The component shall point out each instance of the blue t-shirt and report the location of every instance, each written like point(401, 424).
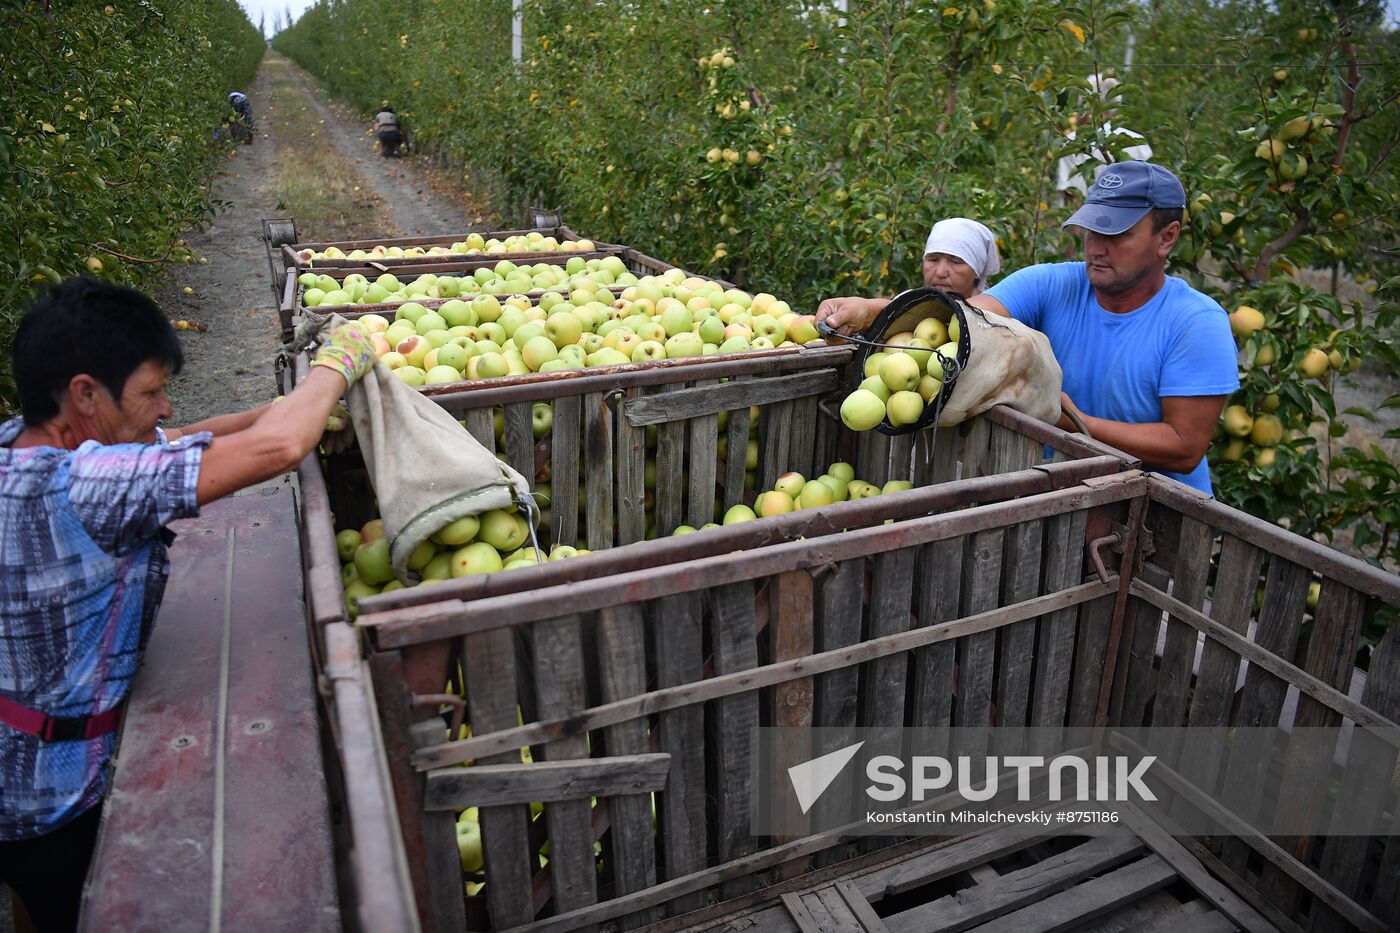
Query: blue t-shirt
point(1121, 366)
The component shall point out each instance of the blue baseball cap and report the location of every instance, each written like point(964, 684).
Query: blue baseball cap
point(1123, 195)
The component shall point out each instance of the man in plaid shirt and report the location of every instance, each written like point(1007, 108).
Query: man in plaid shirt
point(88, 481)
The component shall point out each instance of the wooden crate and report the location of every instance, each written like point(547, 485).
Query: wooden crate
point(289, 260)
point(599, 436)
point(684, 645)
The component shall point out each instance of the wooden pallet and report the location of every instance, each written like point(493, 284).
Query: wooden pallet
point(1005, 880)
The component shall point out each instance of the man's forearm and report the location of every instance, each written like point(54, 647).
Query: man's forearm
point(222, 425)
point(1157, 444)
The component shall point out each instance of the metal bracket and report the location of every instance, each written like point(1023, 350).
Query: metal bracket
point(459, 708)
point(1114, 541)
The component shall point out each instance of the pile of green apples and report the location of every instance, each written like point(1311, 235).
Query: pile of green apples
point(657, 319)
point(505, 278)
point(474, 245)
point(478, 544)
point(900, 382)
point(793, 492)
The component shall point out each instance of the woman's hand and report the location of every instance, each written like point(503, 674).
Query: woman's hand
point(848, 315)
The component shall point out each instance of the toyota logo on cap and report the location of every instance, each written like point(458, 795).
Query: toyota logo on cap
point(1111, 181)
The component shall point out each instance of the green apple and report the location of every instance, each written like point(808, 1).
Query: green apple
point(860, 489)
point(900, 372)
point(815, 494)
point(346, 542)
point(904, 408)
point(541, 419)
point(712, 330)
point(739, 513)
point(410, 311)
point(862, 410)
point(372, 561)
point(842, 471)
point(836, 485)
point(563, 328)
point(773, 502)
point(423, 552)
point(606, 356)
point(735, 344)
point(442, 375)
point(492, 365)
point(876, 385)
point(684, 345)
point(454, 355)
point(648, 351)
point(538, 351)
point(475, 559)
point(896, 485)
point(459, 532)
point(790, 483)
point(356, 590)
point(683, 530)
point(411, 375)
point(505, 531)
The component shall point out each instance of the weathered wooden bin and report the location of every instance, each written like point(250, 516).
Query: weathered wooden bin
point(288, 251)
point(414, 637)
point(290, 308)
point(713, 634)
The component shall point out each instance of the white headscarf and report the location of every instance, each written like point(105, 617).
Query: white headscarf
point(968, 240)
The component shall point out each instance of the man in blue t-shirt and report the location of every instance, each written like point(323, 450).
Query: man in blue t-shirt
point(1148, 361)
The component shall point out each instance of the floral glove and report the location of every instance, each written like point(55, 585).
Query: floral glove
point(348, 351)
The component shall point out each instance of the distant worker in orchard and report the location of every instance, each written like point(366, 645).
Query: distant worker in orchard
point(88, 482)
point(1069, 174)
point(1148, 361)
point(241, 121)
point(388, 131)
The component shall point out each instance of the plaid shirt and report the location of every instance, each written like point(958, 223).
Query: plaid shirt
point(82, 570)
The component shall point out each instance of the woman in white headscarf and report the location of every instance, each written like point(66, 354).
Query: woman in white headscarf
point(960, 255)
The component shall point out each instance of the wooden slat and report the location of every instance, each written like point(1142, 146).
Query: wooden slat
point(1344, 858)
point(482, 426)
point(1216, 674)
point(801, 448)
point(520, 439)
point(791, 630)
point(598, 474)
point(1331, 658)
point(775, 438)
point(956, 857)
point(565, 440)
point(1084, 902)
point(1261, 701)
point(560, 691)
point(1141, 672)
point(899, 457)
point(714, 688)
point(393, 699)
point(981, 591)
point(679, 660)
point(622, 672)
point(1189, 579)
point(569, 779)
point(1054, 654)
point(840, 597)
point(799, 913)
point(975, 448)
point(734, 646)
point(737, 452)
point(938, 593)
point(891, 598)
point(670, 475)
point(704, 439)
point(1176, 855)
point(1327, 561)
point(994, 898)
point(489, 662)
point(837, 915)
point(711, 399)
point(860, 908)
point(631, 481)
point(440, 835)
point(1016, 643)
point(829, 431)
point(876, 450)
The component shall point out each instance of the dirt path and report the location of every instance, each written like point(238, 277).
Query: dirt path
point(230, 367)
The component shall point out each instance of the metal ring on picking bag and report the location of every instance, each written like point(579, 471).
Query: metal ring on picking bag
point(903, 312)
